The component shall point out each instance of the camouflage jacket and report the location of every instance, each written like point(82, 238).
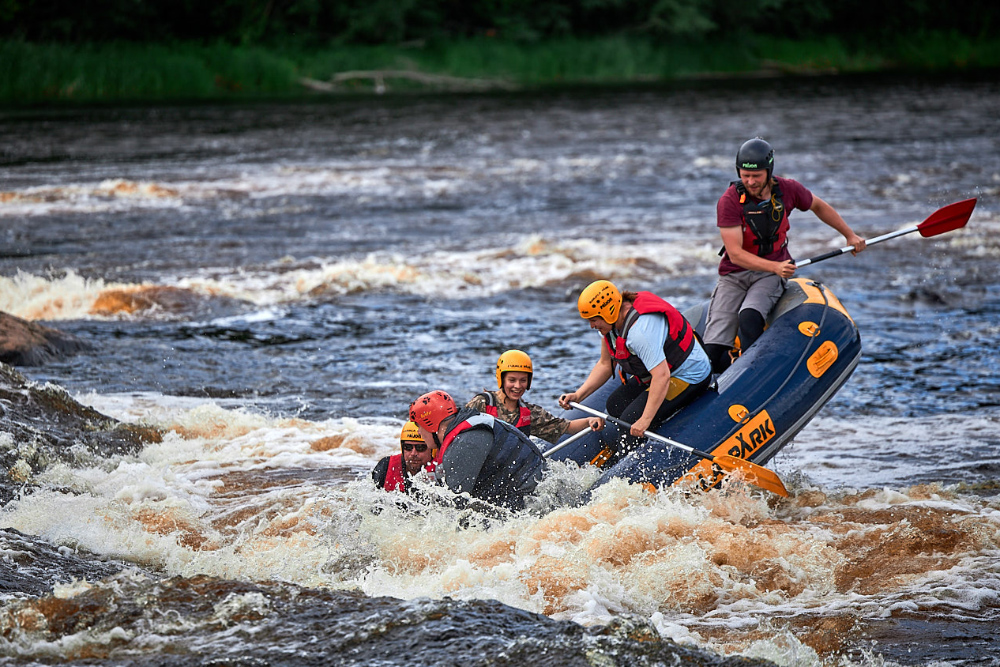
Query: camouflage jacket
point(544, 425)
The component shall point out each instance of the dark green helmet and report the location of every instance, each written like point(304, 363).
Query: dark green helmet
point(755, 154)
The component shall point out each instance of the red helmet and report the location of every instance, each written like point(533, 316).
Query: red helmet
point(431, 409)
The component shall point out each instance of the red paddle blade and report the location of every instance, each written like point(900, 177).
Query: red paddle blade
point(947, 218)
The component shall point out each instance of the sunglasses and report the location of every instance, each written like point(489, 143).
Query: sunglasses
point(419, 446)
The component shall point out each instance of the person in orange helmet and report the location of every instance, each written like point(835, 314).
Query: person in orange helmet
point(477, 453)
point(662, 365)
point(395, 473)
point(514, 373)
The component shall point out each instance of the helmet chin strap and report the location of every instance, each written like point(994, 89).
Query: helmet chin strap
point(447, 421)
point(507, 397)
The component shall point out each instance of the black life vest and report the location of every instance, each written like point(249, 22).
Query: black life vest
point(524, 413)
point(763, 220)
point(676, 348)
point(513, 466)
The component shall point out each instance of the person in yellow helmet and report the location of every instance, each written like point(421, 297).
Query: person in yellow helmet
point(395, 473)
point(514, 373)
point(662, 364)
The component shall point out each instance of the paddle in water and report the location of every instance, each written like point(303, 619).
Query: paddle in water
point(568, 441)
point(945, 219)
point(755, 474)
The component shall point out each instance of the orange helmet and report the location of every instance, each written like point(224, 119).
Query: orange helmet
point(430, 409)
point(410, 433)
point(513, 360)
point(600, 298)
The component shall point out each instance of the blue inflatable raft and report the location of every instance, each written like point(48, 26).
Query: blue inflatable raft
point(809, 349)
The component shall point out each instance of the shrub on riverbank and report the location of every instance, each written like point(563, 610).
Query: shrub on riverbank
point(118, 72)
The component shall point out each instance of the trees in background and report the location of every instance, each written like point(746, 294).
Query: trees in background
point(322, 22)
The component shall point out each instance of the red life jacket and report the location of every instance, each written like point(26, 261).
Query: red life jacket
point(524, 412)
point(676, 348)
point(396, 477)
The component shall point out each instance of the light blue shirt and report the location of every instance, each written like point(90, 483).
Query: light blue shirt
point(646, 339)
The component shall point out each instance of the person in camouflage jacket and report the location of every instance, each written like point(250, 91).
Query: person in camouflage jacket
point(514, 372)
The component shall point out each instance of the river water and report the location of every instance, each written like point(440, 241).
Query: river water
point(271, 284)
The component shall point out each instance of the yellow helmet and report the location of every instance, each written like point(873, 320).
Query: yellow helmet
point(410, 433)
point(513, 360)
point(602, 298)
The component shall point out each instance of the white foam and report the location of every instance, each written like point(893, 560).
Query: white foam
point(107, 196)
point(33, 297)
point(237, 494)
point(380, 180)
point(876, 451)
point(533, 262)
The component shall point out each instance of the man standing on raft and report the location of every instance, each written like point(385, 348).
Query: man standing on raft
point(752, 216)
point(662, 365)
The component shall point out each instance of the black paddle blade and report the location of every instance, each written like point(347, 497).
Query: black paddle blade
point(947, 218)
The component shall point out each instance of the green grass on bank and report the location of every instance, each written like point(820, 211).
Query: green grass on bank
point(48, 72)
point(42, 73)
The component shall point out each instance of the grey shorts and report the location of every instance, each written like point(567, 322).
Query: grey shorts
point(759, 290)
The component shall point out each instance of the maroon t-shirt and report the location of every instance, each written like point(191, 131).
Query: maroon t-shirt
point(729, 213)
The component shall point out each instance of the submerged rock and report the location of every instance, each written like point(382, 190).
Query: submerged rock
point(35, 566)
point(40, 424)
point(24, 343)
point(186, 621)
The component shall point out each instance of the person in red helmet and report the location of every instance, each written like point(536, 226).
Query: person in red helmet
point(395, 473)
point(752, 216)
point(477, 453)
point(514, 372)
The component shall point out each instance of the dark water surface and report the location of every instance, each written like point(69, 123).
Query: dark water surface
point(272, 284)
